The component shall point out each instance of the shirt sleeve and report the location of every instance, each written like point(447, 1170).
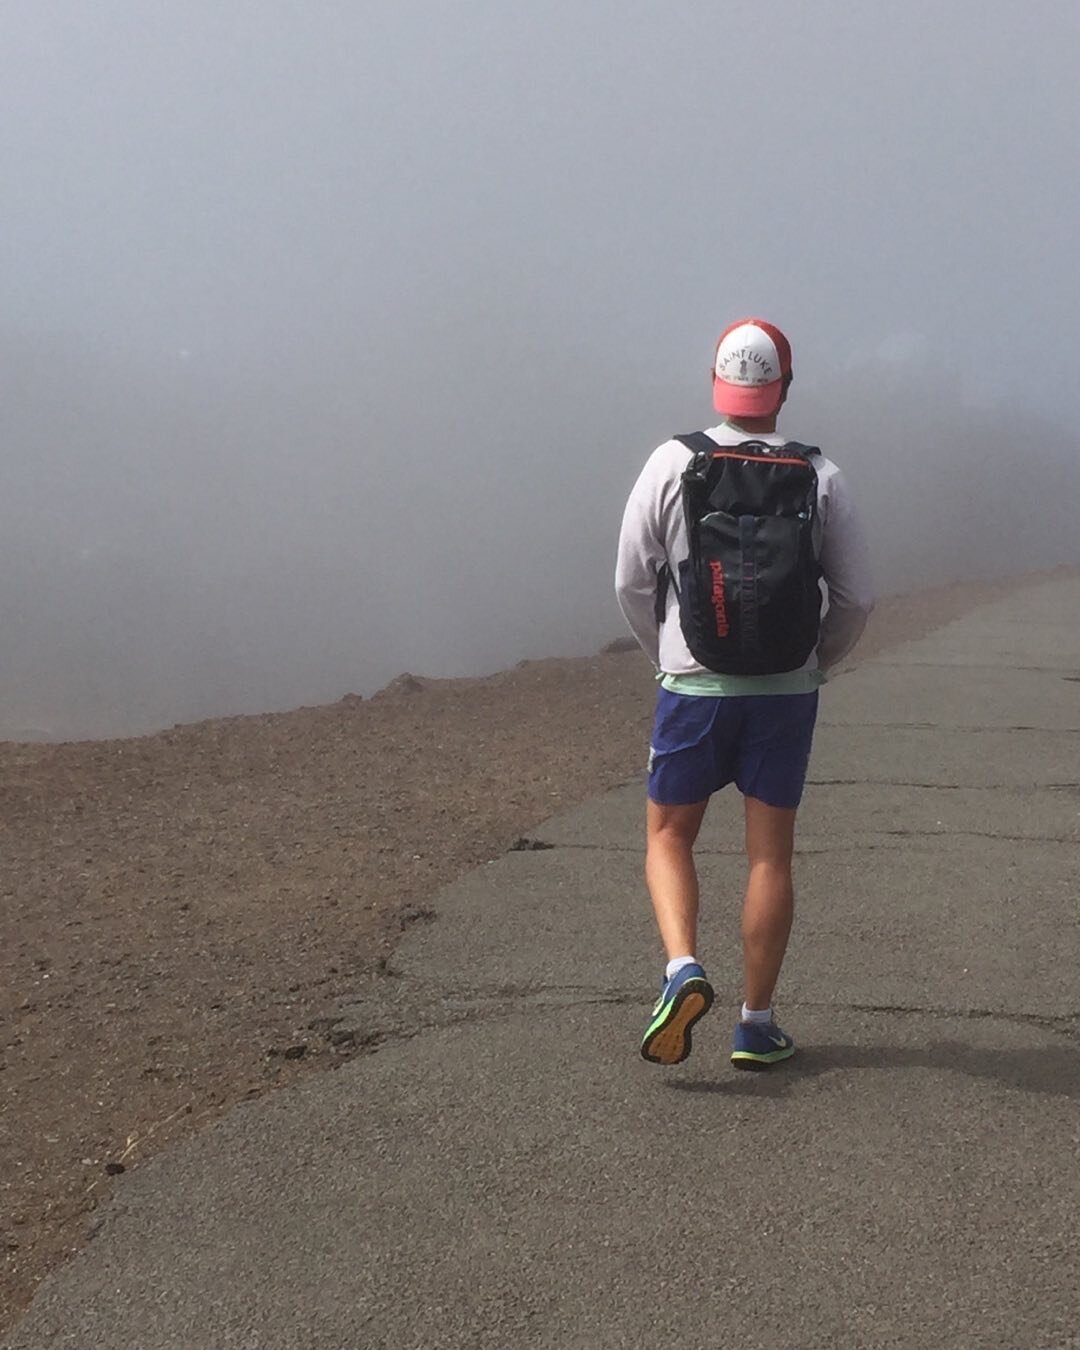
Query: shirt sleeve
point(845, 563)
point(641, 552)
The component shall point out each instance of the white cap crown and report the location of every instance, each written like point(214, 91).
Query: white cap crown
point(747, 356)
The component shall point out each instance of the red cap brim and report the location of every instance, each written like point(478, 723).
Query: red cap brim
point(747, 400)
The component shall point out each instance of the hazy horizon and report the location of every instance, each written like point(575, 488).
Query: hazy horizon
point(333, 337)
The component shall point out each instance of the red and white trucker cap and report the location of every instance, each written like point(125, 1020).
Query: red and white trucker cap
point(752, 359)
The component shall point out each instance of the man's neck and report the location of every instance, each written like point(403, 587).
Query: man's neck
point(753, 426)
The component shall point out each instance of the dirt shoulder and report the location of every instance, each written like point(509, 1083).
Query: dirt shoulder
point(177, 912)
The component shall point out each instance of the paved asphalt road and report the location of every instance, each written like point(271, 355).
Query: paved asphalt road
point(506, 1172)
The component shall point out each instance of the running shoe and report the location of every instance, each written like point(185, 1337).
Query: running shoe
point(684, 1000)
point(758, 1045)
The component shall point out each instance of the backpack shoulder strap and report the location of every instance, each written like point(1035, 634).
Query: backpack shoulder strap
point(697, 442)
point(808, 450)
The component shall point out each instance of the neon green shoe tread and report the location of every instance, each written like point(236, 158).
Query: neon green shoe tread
point(683, 1003)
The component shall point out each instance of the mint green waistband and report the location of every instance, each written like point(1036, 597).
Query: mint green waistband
point(738, 686)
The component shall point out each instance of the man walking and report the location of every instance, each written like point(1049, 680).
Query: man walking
point(719, 560)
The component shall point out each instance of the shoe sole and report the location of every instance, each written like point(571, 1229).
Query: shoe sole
point(671, 1042)
point(746, 1059)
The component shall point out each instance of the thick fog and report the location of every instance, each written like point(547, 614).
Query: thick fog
point(333, 334)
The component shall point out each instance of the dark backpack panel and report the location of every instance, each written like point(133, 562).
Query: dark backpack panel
point(749, 593)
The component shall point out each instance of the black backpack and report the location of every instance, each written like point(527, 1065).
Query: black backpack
point(749, 593)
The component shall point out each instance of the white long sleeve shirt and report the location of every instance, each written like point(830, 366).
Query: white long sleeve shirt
point(654, 532)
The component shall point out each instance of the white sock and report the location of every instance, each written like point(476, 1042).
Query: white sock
point(676, 964)
point(762, 1016)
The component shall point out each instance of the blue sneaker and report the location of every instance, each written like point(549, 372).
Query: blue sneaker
point(756, 1046)
point(684, 1000)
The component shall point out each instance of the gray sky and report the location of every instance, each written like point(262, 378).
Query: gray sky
point(334, 334)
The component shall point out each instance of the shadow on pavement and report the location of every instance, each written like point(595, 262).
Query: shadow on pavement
point(1052, 1069)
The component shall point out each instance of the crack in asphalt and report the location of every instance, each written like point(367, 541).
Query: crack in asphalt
point(639, 851)
point(947, 728)
point(1066, 1024)
point(981, 834)
point(937, 787)
point(1065, 672)
point(507, 1000)
point(870, 847)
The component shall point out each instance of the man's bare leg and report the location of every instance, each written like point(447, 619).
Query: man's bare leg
point(672, 878)
point(671, 875)
point(770, 901)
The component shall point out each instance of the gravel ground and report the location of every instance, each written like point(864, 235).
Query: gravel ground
point(177, 912)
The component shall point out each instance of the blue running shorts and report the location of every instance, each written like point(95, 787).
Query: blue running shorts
point(759, 742)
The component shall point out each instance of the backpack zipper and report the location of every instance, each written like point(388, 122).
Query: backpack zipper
point(768, 459)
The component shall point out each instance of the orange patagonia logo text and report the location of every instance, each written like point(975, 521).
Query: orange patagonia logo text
point(719, 600)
